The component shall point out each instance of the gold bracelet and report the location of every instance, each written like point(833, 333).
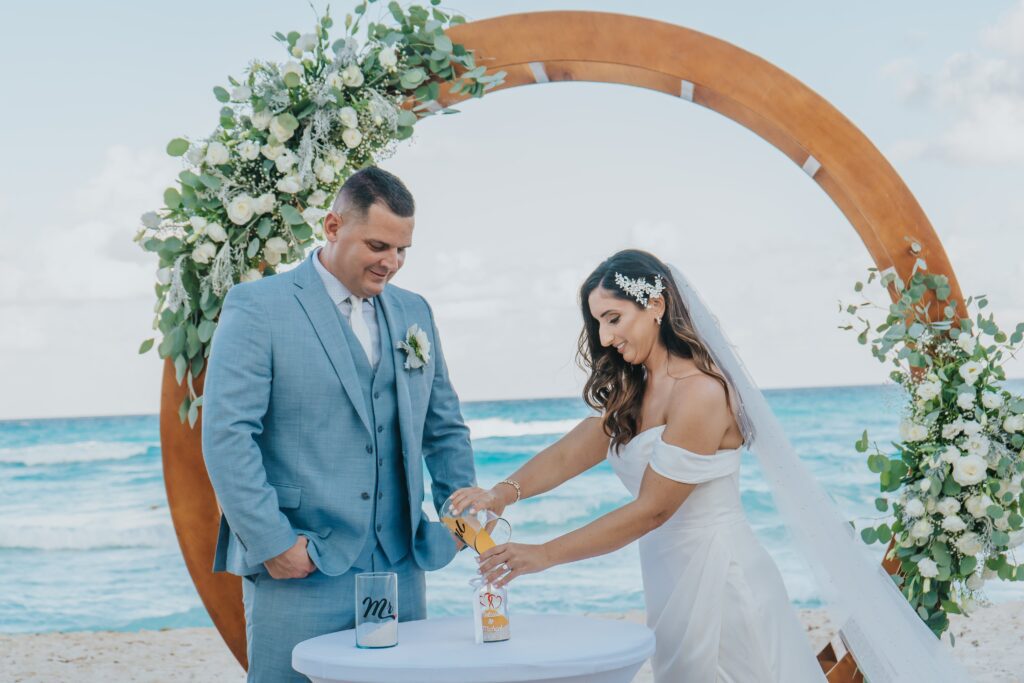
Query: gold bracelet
point(515, 485)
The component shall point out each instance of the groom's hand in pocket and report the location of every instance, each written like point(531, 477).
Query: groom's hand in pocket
point(293, 563)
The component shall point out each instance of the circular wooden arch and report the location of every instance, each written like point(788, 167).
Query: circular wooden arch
point(543, 47)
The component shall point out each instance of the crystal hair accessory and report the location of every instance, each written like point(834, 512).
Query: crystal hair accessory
point(640, 289)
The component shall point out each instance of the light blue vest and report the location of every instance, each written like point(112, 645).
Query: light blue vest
point(389, 526)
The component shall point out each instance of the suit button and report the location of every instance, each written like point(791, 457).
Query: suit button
point(380, 527)
point(380, 428)
point(380, 496)
point(369, 448)
point(366, 496)
point(380, 461)
point(376, 394)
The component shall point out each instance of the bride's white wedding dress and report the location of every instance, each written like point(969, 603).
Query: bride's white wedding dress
point(714, 597)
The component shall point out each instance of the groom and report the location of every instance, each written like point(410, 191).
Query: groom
point(316, 426)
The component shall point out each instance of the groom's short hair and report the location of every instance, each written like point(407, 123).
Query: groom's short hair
point(370, 185)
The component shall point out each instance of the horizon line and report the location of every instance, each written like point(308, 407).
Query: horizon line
point(470, 402)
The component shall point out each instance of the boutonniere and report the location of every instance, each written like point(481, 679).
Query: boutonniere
point(416, 347)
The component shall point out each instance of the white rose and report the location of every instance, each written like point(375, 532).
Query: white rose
point(272, 152)
point(1014, 486)
point(352, 137)
point(966, 401)
point(204, 252)
point(970, 427)
point(216, 232)
point(292, 67)
point(975, 582)
point(241, 209)
point(285, 160)
point(966, 342)
point(271, 257)
point(324, 172)
point(970, 469)
point(251, 275)
point(921, 530)
point(261, 119)
point(151, 219)
point(976, 444)
point(969, 544)
point(948, 506)
point(216, 154)
point(290, 184)
point(927, 568)
point(971, 370)
point(953, 524)
point(977, 505)
point(333, 80)
point(249, 150)
point(924, 485)
point(163, 276)
point(423, 342)
point(274, 248)
point(914, 508)
point(198, 223)
point(318, 198)
point(1014, 424)
point(352, 76)
point(307, 42)
point(911, 431)
point(194, 155)
point(991, 400)
point(950, 455)
point(241, 93)
point(926, 391)
point(950, 430)
point(348, 117)
point(388, 58)
point(312, 215)
point(335, 157)
point(280, 132)
point(265, 203)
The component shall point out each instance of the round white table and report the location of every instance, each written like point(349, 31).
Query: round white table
point(544, 647)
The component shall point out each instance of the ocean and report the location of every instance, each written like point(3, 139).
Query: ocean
point(86, 541)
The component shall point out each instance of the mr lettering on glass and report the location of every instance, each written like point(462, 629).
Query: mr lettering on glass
point(376, 609)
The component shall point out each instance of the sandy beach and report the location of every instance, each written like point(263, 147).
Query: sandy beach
point(988, 644)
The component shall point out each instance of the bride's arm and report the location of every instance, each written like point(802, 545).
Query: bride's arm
point(580, 449)
point(698, 426)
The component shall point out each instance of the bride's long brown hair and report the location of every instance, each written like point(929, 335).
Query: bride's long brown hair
point(615, 387)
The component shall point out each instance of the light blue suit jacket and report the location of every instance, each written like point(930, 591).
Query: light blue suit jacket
point(286, 433)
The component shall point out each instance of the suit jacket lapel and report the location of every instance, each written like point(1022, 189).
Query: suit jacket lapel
point(320, 309)
point(394, 314)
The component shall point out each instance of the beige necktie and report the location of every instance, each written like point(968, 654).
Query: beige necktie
point(359, 327)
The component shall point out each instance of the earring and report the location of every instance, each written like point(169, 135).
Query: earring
point(657, 321)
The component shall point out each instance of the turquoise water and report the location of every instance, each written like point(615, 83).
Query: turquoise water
point(86, 540)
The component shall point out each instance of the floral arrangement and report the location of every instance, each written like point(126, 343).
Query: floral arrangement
point(955, 479)
point(253, 194)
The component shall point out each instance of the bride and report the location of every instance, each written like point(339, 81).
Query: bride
point(677, 406)
point(669, 428)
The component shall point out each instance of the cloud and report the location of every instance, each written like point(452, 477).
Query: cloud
point(983, 91)
point(83, 251)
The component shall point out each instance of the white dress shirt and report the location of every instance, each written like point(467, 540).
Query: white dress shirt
point(340, 294)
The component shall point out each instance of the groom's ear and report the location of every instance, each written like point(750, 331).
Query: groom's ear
point(332, 223)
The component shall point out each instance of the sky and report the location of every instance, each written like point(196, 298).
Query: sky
point(519, 195)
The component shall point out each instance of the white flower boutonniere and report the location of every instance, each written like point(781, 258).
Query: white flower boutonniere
point(416, 347)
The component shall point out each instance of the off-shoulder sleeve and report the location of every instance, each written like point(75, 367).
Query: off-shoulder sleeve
point(688, 467)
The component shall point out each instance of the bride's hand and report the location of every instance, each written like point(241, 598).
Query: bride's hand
point(502, 563)
point(475, 499)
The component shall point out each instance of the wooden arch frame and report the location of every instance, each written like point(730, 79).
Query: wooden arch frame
point(544, 47)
